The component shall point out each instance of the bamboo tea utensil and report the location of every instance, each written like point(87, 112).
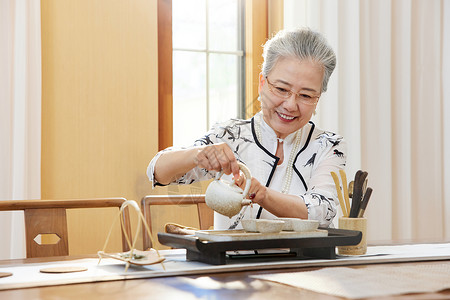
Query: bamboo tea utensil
point(350, 189)
point(360, 177)
point(344, 185)
point(339, 193)
point(364, 202)
point(364, 187)
point(355, 184)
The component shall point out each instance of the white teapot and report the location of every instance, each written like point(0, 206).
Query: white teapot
point(227, 198)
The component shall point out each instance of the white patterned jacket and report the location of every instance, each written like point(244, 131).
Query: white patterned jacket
point(320, 152)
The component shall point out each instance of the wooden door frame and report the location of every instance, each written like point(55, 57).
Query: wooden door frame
point(165, 85)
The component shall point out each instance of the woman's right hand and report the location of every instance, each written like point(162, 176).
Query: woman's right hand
point(217, 157)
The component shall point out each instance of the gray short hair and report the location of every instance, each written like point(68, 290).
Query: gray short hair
point(302, 43)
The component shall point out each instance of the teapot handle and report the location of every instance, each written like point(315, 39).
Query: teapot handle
point(248, 177)
point(247, 174)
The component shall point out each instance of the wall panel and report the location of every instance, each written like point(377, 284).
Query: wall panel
point(99, 101)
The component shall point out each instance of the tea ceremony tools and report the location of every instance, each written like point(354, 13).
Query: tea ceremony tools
point(357, 190)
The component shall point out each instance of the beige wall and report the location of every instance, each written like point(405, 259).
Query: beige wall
point(100, 111)
point(99, 102)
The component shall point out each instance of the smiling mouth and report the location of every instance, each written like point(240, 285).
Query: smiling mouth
point(285, 117)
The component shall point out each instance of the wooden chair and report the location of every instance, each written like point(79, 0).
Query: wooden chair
point(49, 217)
point(205, 214)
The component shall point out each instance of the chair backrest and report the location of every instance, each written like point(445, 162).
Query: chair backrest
point(205, 214)
point(49, 217)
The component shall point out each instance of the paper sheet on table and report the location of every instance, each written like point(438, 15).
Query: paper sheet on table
point(371, 281)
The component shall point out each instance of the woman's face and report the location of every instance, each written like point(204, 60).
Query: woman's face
point(299, 76)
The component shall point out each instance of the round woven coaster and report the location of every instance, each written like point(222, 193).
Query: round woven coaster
point(65, 269)
point(5, 274)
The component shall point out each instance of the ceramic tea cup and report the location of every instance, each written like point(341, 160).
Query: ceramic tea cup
point(249, 225)
point(300, 225)
point(269, 226)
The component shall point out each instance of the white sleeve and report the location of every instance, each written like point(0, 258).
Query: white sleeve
point(321, 198)
point(194, 175)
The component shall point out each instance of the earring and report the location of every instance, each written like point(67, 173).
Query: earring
point(259, 98)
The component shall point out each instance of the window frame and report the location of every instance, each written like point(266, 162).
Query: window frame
point(256, 24)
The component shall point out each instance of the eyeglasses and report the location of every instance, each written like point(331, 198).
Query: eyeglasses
point(281, 92)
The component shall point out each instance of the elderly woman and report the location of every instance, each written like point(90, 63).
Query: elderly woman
point(289, 157)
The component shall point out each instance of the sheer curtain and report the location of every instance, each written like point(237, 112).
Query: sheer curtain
point(389, 97)
point(20, 115)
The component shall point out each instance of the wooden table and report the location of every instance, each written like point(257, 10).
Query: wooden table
point(234, 285)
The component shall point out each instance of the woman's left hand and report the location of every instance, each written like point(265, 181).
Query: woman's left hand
point(278, 204)
point(257, 192)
